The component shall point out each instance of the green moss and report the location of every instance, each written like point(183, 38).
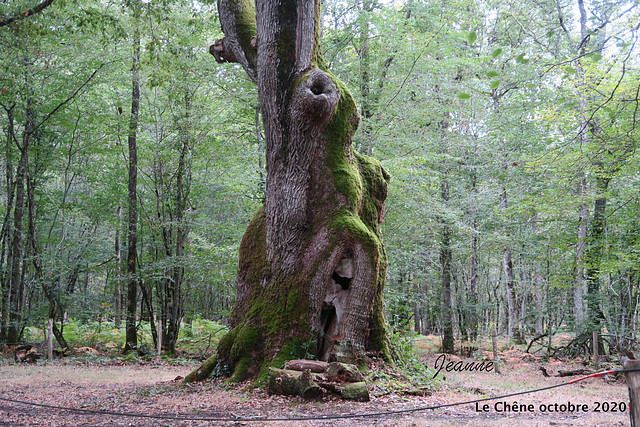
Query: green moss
point(245, 341)
point(375, 179)
point(226, 342)
point(378, 333)
point(288, 309)
point(295, 348)
point(356, 391)
point(340, 154)
point(253, 249)
point(131, 357)
point(203, 371)
point(237, 349)
point(245, 13)
point(242, 370)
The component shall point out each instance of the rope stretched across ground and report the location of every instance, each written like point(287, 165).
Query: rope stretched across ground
point(315, 418)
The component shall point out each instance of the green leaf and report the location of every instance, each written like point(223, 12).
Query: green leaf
point(472, 37)
point(596, 57)
point(520, 59)
point(492, 74)
point(569, 70)
point(463, 95)
point(495, 84)
point(497, 53)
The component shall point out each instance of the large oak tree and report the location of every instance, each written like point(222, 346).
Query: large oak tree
point(312, 264)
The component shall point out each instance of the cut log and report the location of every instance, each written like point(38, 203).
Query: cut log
point(21, 352)
point(355, 391)
point(316, 366)
point(293, 383)
point(562, 373)
point(343, 372)
point(32, 357)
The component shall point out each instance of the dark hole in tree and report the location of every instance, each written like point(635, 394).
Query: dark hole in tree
point(317, 88)
point(344, 282)
point(327, 316)
point(327, 320)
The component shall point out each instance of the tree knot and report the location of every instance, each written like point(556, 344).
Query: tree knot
point(221, 52)
point(316, 98)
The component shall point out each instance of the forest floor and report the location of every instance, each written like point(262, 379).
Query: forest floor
point(151, 388)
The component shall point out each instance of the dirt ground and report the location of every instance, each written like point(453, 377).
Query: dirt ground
point(151, 389)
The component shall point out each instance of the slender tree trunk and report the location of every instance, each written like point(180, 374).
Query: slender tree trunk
point(132, 250)
point(594, 256)
point(5, 236)
point(365, 79)
point(446, 262)
point(507, 260)
point(56, 311)
point(472, 308)
point(369, 91)
point(512, 306)
point(538, 285)
point(580, 283)
point(587, 126)
point(507, 269)
point(17, 241)
point(175, 311)
point(117, 294)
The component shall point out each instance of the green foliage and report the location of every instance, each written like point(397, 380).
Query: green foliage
point(498, 104)
point(93, 333)
point(409, 375)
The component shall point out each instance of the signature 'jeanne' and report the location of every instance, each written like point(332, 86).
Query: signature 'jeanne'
point(460, 366)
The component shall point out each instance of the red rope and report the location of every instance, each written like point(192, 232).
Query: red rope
point(597, 374)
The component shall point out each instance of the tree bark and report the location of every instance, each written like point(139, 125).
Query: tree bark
point(5, 236)
point(579, 286)
point(132, 239)
point(117, 294)
point(472, 308)
point(446, 262)
point(312, 264)
point(512, 306)
point(585, 131)
point(366, 147)
point(594, 256)
point(17, 241)
point(507, 269)
point(175, 308)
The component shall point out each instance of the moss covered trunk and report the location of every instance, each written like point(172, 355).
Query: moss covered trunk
point(312, 264)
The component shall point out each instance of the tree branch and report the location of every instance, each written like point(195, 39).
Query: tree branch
point(73, 95)
point(18, 16)
point(238, 22)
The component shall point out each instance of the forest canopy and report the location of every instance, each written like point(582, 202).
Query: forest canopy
point(133, 163)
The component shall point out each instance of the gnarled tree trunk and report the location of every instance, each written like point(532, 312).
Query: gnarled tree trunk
point(312, 264)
